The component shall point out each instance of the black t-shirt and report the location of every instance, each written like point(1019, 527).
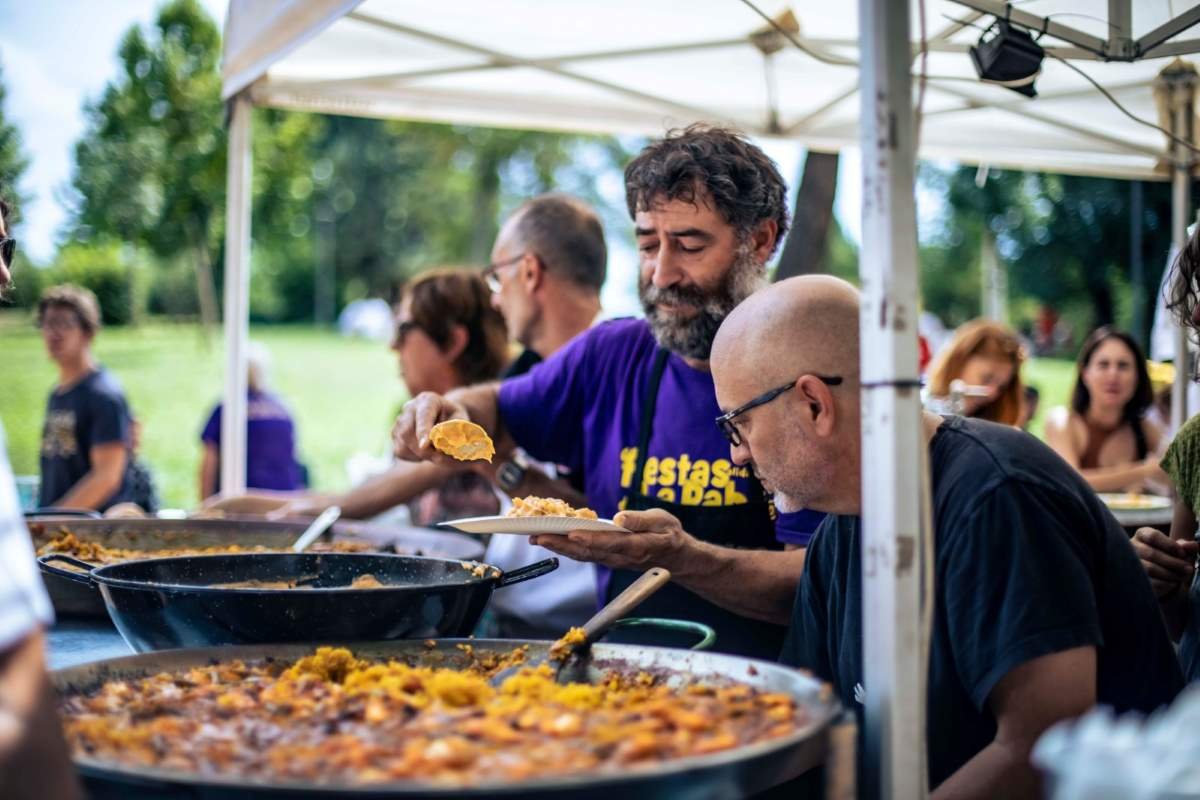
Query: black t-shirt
point(92, 412)
point(1028, 562)
point(521, 364)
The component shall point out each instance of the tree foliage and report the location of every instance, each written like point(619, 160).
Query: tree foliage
point(13, 161)
point(1066, 242)
point(342, 207)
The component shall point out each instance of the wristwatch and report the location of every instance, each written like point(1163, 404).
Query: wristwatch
point(511, 474)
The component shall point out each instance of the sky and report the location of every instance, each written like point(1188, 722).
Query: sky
point(59, 54)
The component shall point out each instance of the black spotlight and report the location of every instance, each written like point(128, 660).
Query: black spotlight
point(1010, 57)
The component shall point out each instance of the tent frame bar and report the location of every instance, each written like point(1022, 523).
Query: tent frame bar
point(1155, 39)
point(517, 61)
point(1118, 47)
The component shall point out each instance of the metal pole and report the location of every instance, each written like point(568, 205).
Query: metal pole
point(995, 280)
point(237, 297)
point(895, 486)
point(1137, 262)
point(1183, 91)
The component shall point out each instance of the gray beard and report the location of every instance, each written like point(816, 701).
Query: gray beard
point(693, 337)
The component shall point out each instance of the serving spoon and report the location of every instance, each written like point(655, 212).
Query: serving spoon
point(572, 664)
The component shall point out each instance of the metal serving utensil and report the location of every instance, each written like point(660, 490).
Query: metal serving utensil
point(318, 526)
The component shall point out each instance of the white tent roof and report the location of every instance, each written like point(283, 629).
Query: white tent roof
point(644, 65)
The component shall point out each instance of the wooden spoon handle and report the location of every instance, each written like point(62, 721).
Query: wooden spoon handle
point(650, 582)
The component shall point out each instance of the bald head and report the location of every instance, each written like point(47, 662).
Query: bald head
point(807, 324)
point(775, 362)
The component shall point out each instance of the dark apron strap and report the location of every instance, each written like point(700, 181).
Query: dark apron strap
point(649, 405)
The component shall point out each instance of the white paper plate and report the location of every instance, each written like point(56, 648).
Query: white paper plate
point(1135, 502)
point(530, 525)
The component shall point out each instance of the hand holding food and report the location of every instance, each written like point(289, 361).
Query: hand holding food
point(411, 433)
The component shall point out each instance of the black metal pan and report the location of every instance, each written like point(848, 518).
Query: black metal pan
point(72, 599)
point(726, 775)
point(168, 603)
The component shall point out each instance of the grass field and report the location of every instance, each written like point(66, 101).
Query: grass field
point(343, 394)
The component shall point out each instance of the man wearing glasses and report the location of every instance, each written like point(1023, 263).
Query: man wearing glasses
point(630, 404)
point(548, 264)
point(33, 757)
point(1041, 607)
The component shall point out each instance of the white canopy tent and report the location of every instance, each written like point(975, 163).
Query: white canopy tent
point(646, 65)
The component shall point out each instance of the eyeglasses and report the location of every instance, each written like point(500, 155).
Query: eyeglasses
point(60, 325)
point(491, 273)
point(725, 421)
point(402, 330)
point(8, 248)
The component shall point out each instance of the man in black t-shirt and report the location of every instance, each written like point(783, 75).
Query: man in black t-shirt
point(1041, 608)
point(86, 437)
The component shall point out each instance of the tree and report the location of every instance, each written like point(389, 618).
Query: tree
point(805, 251)
point(150, 168)
point(1065, 241)
point(13, 161)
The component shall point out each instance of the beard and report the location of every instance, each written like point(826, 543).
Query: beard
point(693, 337)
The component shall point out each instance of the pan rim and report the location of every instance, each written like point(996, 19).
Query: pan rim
point(102, 579)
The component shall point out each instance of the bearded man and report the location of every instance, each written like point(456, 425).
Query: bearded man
point(629, 404)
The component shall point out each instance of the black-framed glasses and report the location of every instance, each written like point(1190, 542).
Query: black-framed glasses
point(725, 421)
point(491, 272)
point(8, 248)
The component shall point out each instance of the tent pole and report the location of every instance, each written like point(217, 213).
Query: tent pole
point(1182, 94)
point(237, 296)
point(895, 511)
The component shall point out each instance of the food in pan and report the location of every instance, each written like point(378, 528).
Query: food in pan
point(547, 507)
point(68, 543)
point(463, 440)
point(364, 581)
point(563, 647)
point(333, 718)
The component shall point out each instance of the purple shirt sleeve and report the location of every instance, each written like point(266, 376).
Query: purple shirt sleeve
point(544, 409)
point(797, 528)
point(212, 428)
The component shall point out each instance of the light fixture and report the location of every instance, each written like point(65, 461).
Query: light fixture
point(1010, 58)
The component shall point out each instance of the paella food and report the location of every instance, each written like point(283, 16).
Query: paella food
point(364, 581)
point(547, 507)
point(334, 718)
point(67, 543)
point(463, 440)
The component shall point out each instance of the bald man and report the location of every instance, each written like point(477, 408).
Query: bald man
point(1042, 609)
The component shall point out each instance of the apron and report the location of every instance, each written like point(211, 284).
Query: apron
point(749, 526)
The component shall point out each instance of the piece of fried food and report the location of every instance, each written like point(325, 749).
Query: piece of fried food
point(547, 507)
point(463, 440)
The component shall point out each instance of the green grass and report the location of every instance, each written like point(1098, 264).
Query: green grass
point(1053, 378)
point(343, 394)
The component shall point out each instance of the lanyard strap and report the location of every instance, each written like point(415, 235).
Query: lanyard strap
point(649, 404)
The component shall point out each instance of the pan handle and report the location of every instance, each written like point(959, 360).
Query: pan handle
point(529, 571)
point(707, 635)
point(52, 511)
point(70, 575)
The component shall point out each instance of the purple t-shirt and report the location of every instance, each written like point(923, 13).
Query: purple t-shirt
point(582, 408)
point(270, 443)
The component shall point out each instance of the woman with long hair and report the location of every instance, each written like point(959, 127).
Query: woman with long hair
point(1105, 434)
point(983, 353)
point(1170, 559)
